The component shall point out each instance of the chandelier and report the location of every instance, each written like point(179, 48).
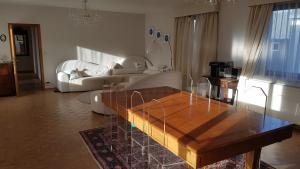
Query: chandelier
point(85, 16)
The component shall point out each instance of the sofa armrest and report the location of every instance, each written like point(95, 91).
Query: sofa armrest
point(63, 82)
point(63, 77)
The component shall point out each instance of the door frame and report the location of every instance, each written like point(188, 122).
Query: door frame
point(13, 53)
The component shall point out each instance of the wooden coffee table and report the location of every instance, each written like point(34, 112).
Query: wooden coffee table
point(200, 131)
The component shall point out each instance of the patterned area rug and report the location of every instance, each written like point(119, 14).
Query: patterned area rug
point(110, 160)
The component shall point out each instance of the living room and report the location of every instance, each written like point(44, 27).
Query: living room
point(143, 45)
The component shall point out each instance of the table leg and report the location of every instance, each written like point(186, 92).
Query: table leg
point(233, 96)
point(252, 159)
point(226, 94)
point(218, 92)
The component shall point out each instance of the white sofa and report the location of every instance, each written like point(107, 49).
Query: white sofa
point(97, 76)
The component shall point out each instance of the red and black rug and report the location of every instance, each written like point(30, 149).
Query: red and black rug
point(110, 160)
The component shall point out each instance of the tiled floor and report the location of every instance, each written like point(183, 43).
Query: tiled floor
point(28, 82)
point(40, 131)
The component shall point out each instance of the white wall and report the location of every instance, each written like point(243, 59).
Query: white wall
point(284, 101)
point(163, 20)
point(120, 34)
point(159, 52)
point(232, 28)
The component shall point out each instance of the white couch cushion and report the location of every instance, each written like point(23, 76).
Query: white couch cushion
point(94, 82)
point(90, 69)
point(86, 84)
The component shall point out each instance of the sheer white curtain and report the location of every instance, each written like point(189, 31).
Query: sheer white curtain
point(280, 56)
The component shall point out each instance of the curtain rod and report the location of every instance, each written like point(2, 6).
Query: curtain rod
point(279, 2)
point(197, 14)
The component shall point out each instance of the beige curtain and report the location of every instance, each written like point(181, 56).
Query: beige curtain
point(257, 29)
point(195, 45)
point(205, 43)
point(258, 24)
point(183, 46)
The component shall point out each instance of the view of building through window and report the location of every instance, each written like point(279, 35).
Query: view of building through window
point(280, 55)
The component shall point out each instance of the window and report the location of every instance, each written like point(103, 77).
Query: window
point(275, 46)
point(280, 56)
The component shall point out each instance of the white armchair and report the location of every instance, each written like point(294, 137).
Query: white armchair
point(63, 81)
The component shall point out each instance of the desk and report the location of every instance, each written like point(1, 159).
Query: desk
point(200, 131)
point(226, 83)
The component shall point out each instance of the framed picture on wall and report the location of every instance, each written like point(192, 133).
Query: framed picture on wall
point(21, 44)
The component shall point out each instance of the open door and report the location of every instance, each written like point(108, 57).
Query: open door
point(13, 57)
point(17, 39)
point(41, 61)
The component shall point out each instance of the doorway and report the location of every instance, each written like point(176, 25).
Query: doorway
point(26, 52)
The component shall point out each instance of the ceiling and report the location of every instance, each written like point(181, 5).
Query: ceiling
point(132, 6)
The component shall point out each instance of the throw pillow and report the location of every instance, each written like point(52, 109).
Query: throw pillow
point(83, 73)
point(139, 66)
point(118, 66)
point(75, 74)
